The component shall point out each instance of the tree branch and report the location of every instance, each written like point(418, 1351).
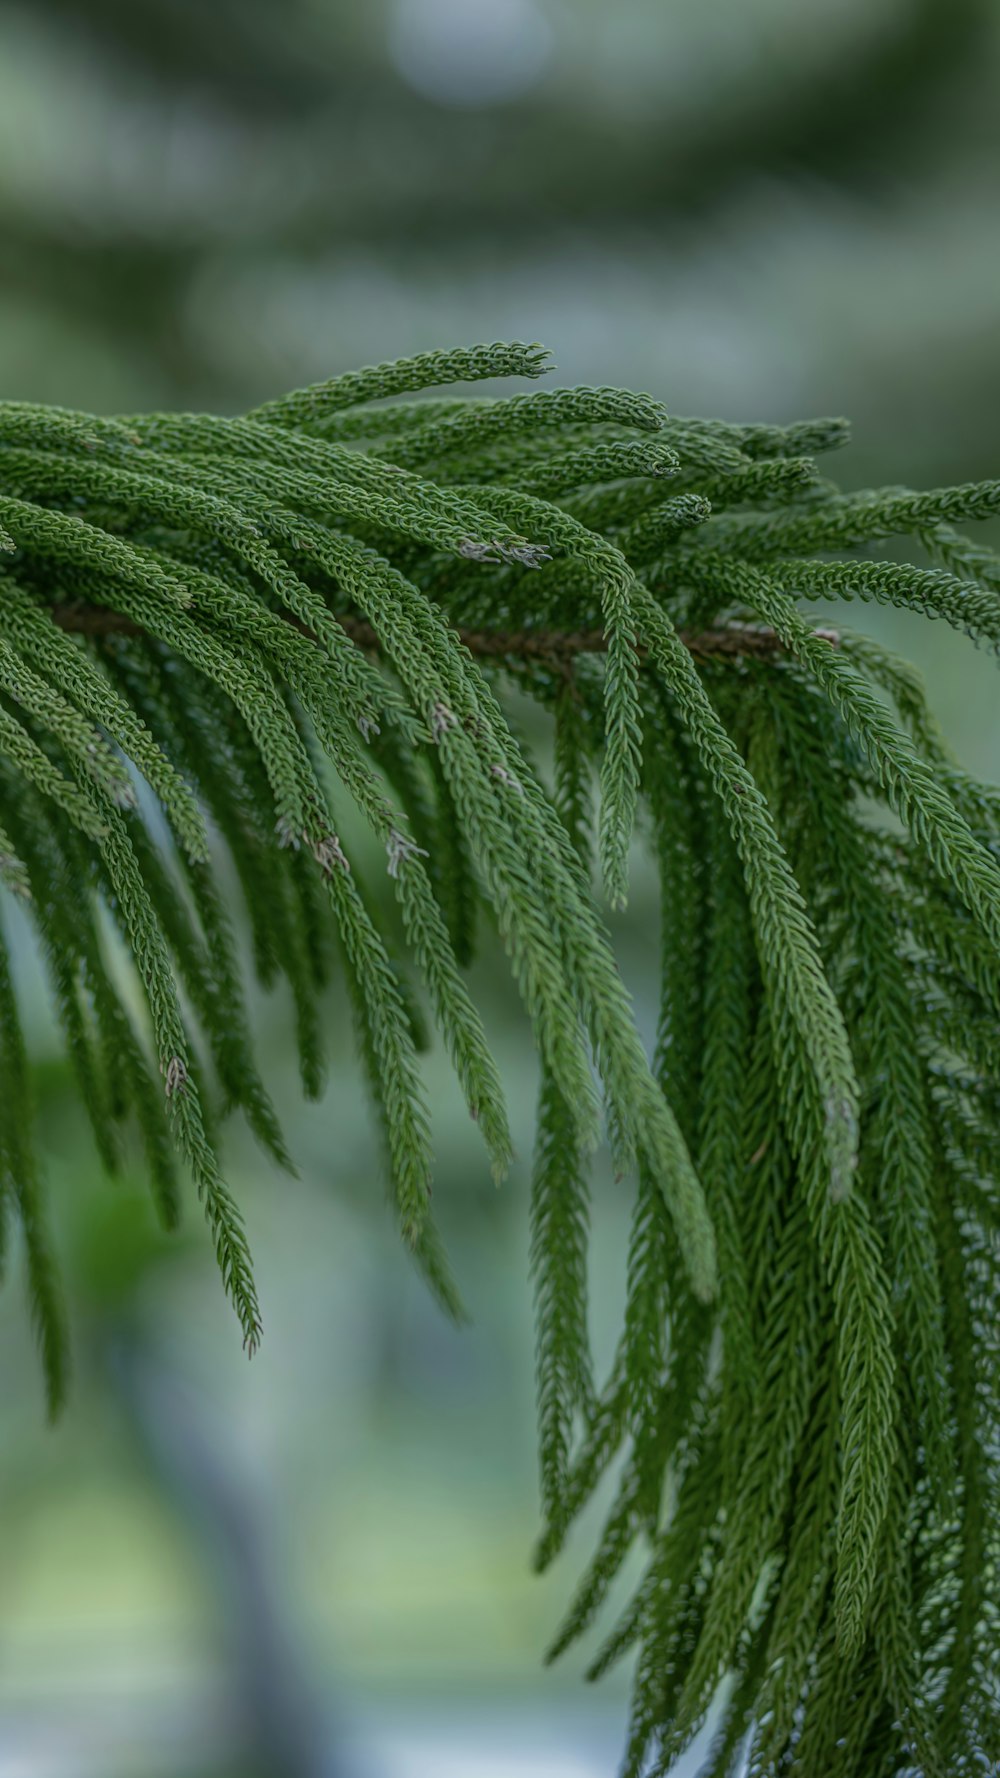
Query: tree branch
point(557, 646)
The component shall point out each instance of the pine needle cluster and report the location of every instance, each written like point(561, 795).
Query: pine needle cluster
point(219, 633)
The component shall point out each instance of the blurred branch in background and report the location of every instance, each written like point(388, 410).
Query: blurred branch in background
point(265, 59)
point(846, 96)
point(156, 152)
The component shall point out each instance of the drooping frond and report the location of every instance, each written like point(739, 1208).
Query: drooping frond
point(257, 623)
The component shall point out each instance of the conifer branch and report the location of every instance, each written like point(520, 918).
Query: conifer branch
point(805, 1398)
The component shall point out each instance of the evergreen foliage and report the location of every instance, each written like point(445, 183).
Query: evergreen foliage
point(322, 603)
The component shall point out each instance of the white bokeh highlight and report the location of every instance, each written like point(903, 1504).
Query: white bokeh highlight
point(469, 53)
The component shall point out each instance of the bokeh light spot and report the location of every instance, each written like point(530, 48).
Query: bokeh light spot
point(469, 52)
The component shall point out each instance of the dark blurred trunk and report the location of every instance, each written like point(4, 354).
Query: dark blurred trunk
point(282, 1729)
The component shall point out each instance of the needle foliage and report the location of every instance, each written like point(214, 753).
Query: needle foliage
point(218, 633)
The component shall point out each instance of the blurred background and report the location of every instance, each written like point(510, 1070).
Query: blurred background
point(317, 1566)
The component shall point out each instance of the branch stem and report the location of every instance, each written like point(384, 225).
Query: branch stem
point(754, 641)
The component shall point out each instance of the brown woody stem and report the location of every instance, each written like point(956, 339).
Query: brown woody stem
point(754, 641)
